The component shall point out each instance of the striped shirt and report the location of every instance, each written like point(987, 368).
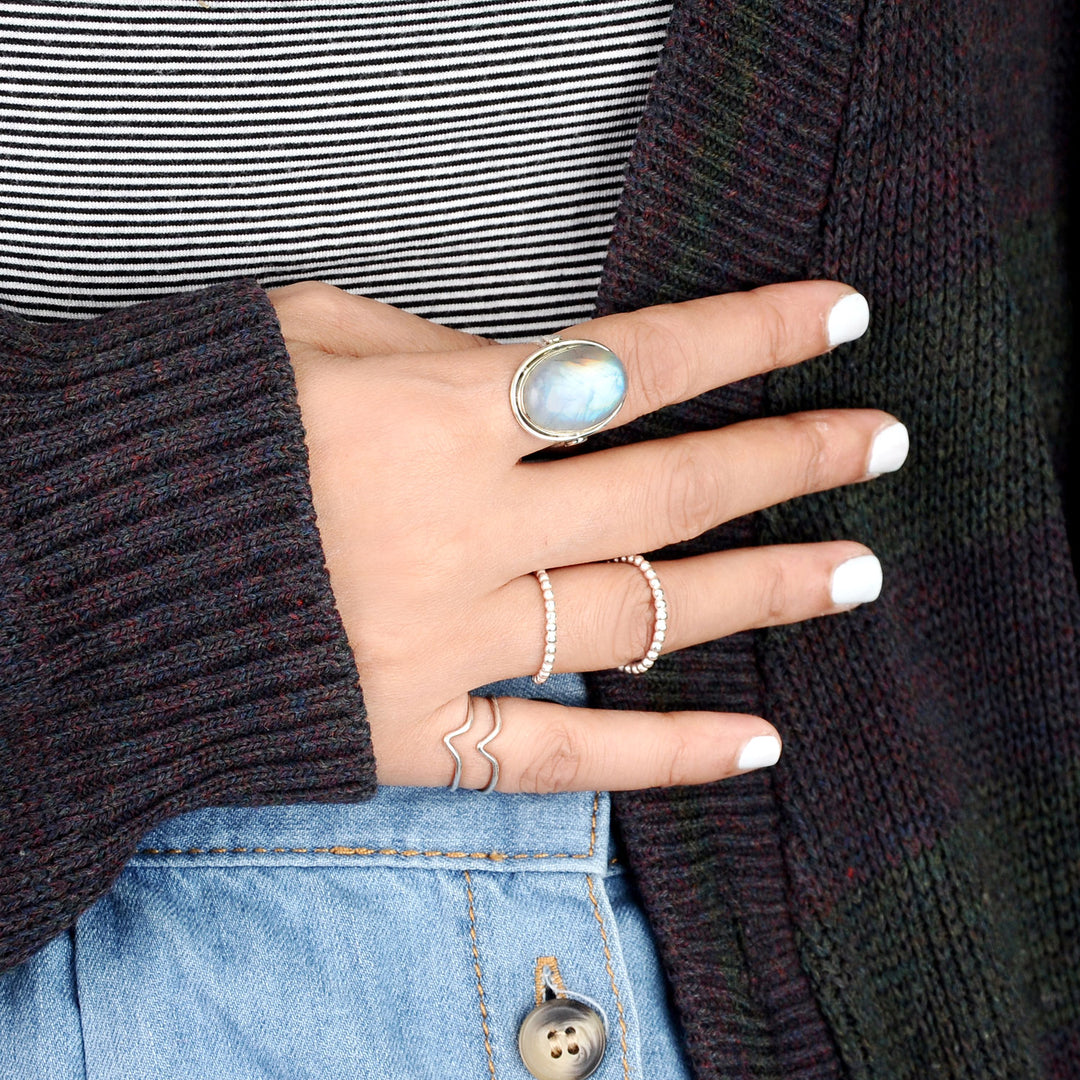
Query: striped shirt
point(459, 158)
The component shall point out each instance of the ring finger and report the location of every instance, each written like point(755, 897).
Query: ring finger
point(646, 496)
point(605, 612)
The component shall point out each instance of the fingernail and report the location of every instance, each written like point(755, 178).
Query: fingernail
point(848, 320)
point(759, 753)
point(889, 450)
point(856, 581)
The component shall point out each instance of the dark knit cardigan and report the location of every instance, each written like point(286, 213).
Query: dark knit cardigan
point(900, 897)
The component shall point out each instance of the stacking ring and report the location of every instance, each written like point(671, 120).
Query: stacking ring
point(639, 667)
point(566, 390)
point(481, 746)
point(448, 742)
point(551, 628)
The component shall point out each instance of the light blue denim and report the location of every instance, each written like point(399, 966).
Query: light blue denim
point(397, 938)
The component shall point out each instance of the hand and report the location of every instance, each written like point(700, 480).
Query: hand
point(432, 526)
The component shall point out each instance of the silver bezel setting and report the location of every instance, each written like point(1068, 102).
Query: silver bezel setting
point(552, 347)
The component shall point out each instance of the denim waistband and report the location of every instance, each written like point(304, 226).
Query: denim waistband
point(420, 828)
point(415, 827)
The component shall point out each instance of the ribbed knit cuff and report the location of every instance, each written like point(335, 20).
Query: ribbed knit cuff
point(167, 631)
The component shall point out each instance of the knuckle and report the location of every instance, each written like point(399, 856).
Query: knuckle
point(692, 493)
point(662, 373)
point(308, 306)
point(683, 758)
point(633, 625)
point(774, 592)
point(776, 331)
point(314, 296)
point(556, 762)
point(815, 450)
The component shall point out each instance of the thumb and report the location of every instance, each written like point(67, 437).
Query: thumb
point(335, 321)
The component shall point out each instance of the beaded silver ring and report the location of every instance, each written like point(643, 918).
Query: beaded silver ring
point(639, 667)
point(551, 628)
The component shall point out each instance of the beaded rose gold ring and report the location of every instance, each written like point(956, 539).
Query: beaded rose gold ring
point(639, 667)
point(551, 630)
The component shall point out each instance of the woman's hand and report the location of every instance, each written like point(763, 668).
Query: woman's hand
point(432, 525)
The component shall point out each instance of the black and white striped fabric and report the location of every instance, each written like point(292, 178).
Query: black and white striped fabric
point(459, 159)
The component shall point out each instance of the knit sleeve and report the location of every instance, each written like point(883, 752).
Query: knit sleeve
point(168, 637)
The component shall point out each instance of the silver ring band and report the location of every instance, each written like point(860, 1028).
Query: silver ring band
point(448, 742)
point(481, 746)
point(660, 613)
point(551, 628)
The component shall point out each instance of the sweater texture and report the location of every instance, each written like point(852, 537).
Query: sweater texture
point(167, 632)
point(900, 896)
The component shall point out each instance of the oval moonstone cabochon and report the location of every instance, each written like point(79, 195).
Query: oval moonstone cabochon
point(568, 389)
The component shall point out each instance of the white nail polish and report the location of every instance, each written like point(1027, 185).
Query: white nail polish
point(759, 753)
point(856, 581)
point(889, 450)
point(848, 320)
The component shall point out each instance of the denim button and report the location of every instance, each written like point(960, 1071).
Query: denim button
point(562, 1039)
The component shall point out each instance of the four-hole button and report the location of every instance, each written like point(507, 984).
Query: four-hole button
point(562, 1039)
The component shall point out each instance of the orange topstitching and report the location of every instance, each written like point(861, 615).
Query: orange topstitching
point(408, 853)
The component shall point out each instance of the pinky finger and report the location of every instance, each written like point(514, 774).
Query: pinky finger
point(543, 748)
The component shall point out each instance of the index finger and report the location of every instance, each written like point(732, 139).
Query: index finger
point(673, 352)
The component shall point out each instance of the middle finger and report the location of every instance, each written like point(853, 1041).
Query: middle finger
point(645, 496)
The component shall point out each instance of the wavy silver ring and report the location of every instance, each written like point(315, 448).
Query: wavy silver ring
point(448, 742)
point(567, 390)
point(481, 747)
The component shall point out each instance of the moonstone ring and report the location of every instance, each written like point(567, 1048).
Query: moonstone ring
point(567, 390)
